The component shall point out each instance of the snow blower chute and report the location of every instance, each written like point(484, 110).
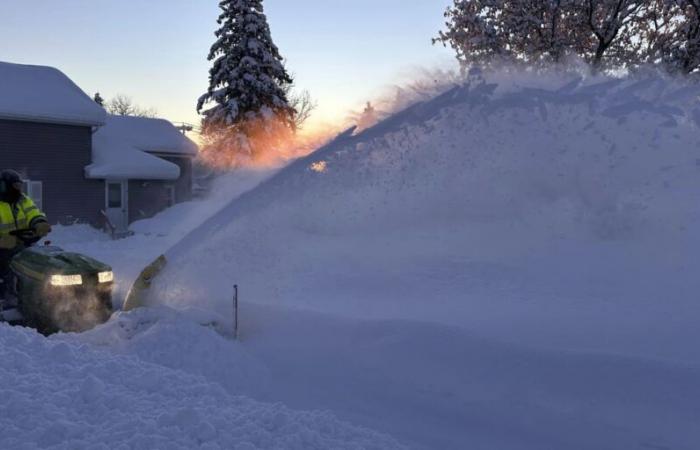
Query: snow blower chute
point(137, 296)
point(54, 290)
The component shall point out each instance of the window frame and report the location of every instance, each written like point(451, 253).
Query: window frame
point(34, 189)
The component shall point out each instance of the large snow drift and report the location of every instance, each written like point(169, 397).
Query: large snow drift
point(45, 94)
point(554, 209)
point(555, 216)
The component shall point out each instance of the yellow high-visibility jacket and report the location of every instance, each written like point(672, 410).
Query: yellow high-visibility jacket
point(21, 215)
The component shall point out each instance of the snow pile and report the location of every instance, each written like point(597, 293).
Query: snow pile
point(44, 94)
point(431, 386)
point(497, 206)
point(510, 265)
point(58, 395)
point(554, 212)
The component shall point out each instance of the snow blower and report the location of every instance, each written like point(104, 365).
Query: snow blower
point(138, 294)
point(53, 290)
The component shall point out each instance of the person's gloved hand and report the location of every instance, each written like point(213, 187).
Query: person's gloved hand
point(8, 242)
point(42, 229)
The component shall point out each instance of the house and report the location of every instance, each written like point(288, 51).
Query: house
point(46, 127)
point(83, 164)
point(146, 165)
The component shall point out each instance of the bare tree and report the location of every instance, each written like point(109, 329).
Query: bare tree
point(528, 31)
point(302, 103)
point(122, 105)
point(473, 31)
point(672, 34)
point(609, 34)
point(613, 25)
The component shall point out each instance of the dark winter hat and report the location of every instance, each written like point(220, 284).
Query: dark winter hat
point(11, 177)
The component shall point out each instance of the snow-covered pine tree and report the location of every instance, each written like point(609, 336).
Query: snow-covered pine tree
point(247, 84)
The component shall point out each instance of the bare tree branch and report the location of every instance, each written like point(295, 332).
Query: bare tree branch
point(122, 105)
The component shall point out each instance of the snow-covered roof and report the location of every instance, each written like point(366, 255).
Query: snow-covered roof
point(114, 160)
point(45, 94)
point(122, 149)
point(147, 134)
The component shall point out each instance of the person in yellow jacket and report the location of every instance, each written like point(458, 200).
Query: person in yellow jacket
point(17, 212)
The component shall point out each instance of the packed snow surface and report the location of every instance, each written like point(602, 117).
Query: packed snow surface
point(45, 94)
point(509, 266)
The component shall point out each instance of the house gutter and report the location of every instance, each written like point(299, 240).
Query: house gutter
point(52, 120)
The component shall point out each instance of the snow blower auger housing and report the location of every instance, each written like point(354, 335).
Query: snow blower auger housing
point(57, 290)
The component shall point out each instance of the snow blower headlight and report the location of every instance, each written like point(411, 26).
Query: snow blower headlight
point(66, 280)
point(105, 277)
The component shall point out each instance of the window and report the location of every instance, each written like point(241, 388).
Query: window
point(114, 195)
point(35, 191)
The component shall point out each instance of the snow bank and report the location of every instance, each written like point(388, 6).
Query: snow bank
point(63, 396)
point(44, 94)
point(552, 209)
point(432, 386)
point(510, 265)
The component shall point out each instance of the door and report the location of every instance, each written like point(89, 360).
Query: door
point(117, 207)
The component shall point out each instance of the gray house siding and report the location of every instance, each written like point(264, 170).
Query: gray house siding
point(183, 185)
point(147, 198)
point(56, 155)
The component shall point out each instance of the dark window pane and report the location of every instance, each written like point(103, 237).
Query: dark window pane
point(114, 195)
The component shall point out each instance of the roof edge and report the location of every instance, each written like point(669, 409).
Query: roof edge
point(51, 120)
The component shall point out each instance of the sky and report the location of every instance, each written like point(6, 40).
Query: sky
point(343, 52)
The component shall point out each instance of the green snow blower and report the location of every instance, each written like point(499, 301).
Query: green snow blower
point(53, 290)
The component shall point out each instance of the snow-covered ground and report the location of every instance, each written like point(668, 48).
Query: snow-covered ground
point(69, 396)
point(512, 265)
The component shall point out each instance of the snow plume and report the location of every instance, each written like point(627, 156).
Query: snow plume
point(423, 84)
point(268, 144)
point(503, 178)
point(418, 85)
